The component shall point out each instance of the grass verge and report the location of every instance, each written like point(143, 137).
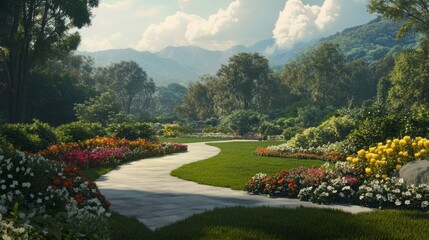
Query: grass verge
point(236, 164)
point(282, 223)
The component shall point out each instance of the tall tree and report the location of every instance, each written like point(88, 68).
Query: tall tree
point(326, 69)
point(248, 79)
point(128, 80)
point(33, 30)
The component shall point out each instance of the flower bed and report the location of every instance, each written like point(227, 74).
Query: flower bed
point(364, 179)
point(101, 151)
point(51, 197)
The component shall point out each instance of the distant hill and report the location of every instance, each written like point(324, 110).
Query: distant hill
point(370, 41)
point(187, 63)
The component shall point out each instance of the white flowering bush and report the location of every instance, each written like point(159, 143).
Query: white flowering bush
point(393, 193)
point(51, 197)
point(337, 190)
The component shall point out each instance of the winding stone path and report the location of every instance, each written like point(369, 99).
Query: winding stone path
point(144, 189)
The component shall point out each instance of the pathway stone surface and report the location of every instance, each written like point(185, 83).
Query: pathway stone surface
point(144, 189)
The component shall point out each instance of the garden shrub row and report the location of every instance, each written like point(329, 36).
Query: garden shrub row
point(37, 135)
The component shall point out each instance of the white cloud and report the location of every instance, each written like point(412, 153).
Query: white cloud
point(99, 44)
point(242, 22)
point(303, 22)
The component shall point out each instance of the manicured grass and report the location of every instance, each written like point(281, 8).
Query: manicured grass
point(189, 140)
point(236, 164)
point(95, 172)
point(281, 223)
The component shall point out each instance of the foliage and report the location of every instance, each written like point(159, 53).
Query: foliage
point(167, 98)
point(333, 130)
point(242, 122)
point(56, 86)
point(52, 198)
point(373, 130)
point(414, 13)
point(78, 131)
point(269, 128)
point(331, 156)
point(29, 137)
point(31, 32)
point(131, 131)
point(104, 109)
point(129, 81)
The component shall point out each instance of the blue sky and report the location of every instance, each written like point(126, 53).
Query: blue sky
point(151, 25)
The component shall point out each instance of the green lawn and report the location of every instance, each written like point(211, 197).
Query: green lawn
point(235, 165)
point(282, 223)
point(189, 139)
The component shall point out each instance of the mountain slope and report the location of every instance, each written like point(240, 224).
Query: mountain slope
point(370, 41)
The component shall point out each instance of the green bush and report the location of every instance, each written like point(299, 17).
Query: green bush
point(333, 130)
point(131, 131)
point(242, 122)
point(45, 133)
point(78, 131)
point(373, 130)
point(290, 132)
point(269, 128)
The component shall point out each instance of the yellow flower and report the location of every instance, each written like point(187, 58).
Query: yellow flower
point(349, 159)
point(368, 171)
point(361, 153)
point(426, 143)
point(417, 155)
point(355, 160)
point(402, 142)
point(405, 154)
point(407, 138)
point(389, 151)
point(398, 167)
point(396, 141)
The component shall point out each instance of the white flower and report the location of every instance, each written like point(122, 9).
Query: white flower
point(401, 180)
point(398, 203)
point(407, 202)
point(3, 187)
point(39, 200)
point(418, 196)
point(425, 204)
point(9, 176)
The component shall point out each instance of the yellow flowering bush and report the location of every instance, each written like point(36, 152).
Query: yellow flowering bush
point(171, 130)
point(386, 158)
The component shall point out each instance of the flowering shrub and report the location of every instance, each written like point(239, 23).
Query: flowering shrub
point(51, 197)
point(171, 130)
point(386, 159)
point(101, 151)
point(393, 193)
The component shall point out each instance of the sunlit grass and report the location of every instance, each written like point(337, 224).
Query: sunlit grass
point(281, 223)
point(236, 164)
point(189, 139)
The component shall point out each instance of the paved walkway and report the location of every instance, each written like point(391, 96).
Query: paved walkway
point(144, 189)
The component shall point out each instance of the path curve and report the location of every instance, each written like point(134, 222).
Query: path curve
point(145, 189)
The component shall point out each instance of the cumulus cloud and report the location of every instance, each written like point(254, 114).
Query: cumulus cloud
point(242, 22)
point(303, 22)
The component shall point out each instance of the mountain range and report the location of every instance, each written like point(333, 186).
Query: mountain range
point(184, 64)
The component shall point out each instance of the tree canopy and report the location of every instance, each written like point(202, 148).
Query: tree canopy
point(32, 31)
